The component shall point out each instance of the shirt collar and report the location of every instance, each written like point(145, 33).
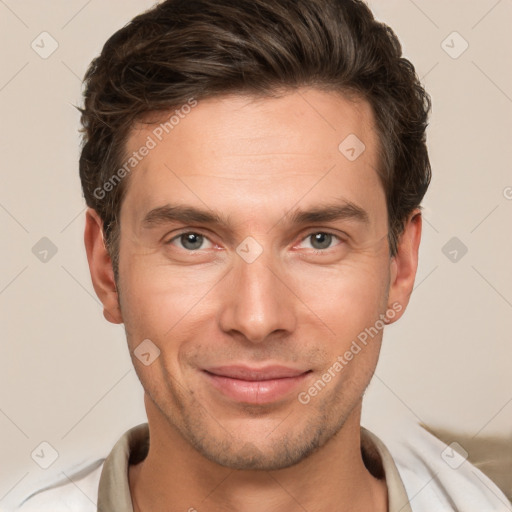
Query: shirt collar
point(114, 489)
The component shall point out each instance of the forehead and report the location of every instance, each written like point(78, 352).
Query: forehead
point(317, 119)
point(257, 149)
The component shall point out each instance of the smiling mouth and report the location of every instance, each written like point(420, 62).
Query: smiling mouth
point(253, 385)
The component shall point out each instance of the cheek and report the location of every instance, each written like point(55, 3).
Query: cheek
point(348, 297)
point(157, 297)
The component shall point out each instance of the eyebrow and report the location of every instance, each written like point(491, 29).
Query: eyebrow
point(345, 210)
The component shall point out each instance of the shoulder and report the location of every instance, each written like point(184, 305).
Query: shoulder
point(68, 492)
point(78, 489)
point(437, 477)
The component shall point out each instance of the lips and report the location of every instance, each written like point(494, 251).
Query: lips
point(255, 374)
point(255, 385)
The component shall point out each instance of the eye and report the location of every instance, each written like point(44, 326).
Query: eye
point(190, 241)
point(320, 240)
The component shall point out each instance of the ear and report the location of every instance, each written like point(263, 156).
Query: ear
point(404, 264)
point(100, 266)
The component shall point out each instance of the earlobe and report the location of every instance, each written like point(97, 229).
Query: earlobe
point(404, 265)
point(100, 267)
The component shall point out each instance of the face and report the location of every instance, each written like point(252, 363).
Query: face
point(253, 254)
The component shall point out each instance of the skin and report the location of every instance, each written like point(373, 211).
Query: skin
point(299, 304)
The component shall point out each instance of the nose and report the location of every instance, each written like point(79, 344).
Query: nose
point(256, 303)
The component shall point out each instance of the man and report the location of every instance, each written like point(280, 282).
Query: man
point(254, 172)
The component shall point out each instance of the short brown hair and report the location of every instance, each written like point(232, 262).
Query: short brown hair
point(183, 49)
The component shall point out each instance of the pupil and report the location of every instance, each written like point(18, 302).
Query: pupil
point(191, 240)
point(321, 239)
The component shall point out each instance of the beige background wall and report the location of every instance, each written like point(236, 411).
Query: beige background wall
point(66, 377)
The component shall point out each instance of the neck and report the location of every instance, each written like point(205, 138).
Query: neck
point(332, 478)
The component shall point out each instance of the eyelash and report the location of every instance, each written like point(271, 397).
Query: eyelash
point(315, 251)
